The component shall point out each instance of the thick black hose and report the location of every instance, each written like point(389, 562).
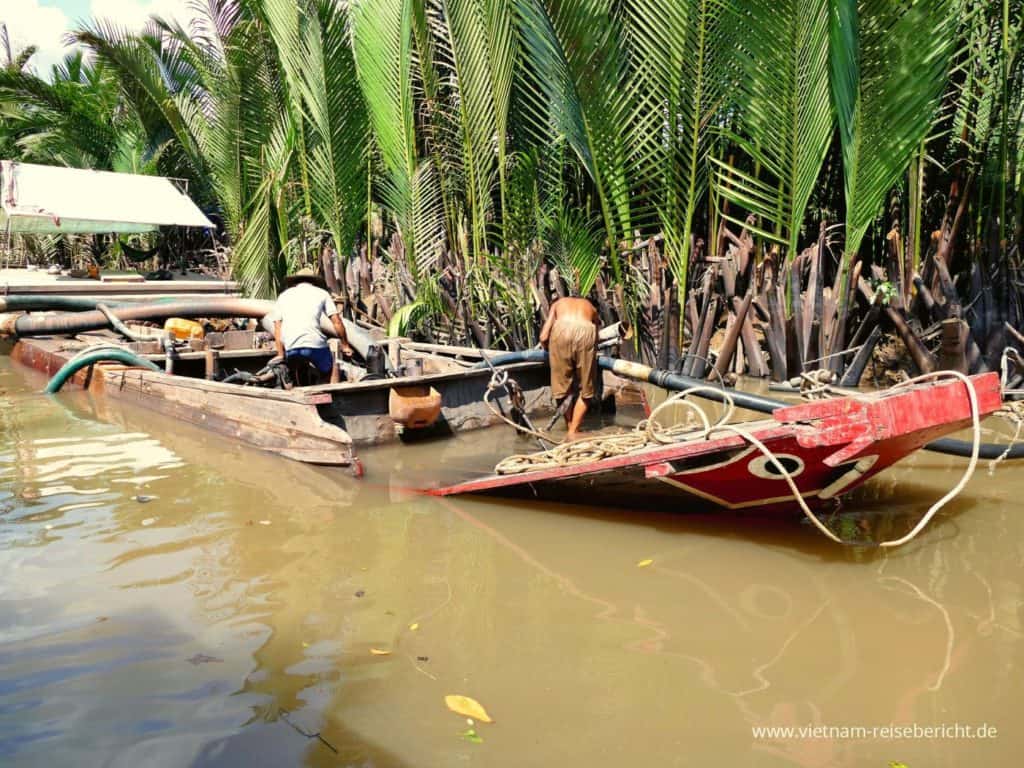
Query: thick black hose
point(953, 447)
point(49, 303)
point(508, 358)
point(660, 378)
point(78, 322)
point(678, 382)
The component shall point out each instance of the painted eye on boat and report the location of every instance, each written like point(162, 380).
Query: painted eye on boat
point(765, 468)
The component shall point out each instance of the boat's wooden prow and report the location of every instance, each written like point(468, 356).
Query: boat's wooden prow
point(828, 447)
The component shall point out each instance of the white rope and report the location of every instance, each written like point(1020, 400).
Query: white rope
point(1011, 411)
point(650, 424)
point(1004, 366)
point(972, 396)
point(585, 450)
point(797, 495)
point(934, 509)
point(666, 436)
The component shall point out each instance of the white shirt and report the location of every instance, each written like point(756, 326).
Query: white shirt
point(299, 309)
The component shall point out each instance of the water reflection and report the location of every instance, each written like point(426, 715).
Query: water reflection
point(231, 617)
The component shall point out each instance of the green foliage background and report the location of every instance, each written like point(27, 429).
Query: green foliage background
point(485, 137)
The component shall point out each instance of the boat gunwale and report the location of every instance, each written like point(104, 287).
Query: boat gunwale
point(308, 395)
point(318, 394)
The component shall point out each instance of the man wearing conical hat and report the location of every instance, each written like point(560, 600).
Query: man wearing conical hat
point(297, 315)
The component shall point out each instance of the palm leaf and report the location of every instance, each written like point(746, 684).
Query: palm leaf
point(382, 41)
point(577, 84)
point(573, 244)
point(426, 216)
point(787, 118)
point(406, 316)
point(474, 39)
point(889, 64)
point(150, 71)
point(70, 119)
point(677, 48)
point(312, 38)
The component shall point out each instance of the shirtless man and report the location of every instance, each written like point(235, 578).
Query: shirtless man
point(297, 321)
point(570, 336)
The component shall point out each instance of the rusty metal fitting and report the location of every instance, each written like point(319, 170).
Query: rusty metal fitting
point(7, 322)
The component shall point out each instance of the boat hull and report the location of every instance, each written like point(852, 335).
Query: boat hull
point(319, 425)
point(827, 447)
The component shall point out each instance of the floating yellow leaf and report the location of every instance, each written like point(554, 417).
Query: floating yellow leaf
point(467, 707)
point(644, 563)
point(379, 652)
point(414, 626)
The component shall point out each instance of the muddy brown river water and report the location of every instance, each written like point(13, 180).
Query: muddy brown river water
point(168, 598)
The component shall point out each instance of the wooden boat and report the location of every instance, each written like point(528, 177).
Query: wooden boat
point(321, 424)
point(828, 447)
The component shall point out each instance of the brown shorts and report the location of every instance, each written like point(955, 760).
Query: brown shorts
point(572, 352)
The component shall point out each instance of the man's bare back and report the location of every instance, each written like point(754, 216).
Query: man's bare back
point(573, 308)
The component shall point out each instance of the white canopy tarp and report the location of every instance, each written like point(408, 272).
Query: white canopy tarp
point(43, 199)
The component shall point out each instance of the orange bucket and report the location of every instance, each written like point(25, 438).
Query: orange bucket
point(414, 407)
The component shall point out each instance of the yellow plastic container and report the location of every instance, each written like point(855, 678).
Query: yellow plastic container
point(180, 328)
point(414, 407)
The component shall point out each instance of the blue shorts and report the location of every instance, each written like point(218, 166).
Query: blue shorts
point(321, 357)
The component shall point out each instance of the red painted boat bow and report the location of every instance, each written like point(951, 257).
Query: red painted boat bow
point(828, 447)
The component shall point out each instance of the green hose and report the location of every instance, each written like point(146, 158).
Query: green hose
point(72, 367)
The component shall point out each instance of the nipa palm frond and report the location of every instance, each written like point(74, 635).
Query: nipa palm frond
point(677, 48)
point(474, 41)
point(573, 244)
point(382, 41)
point(787, 118)
point(889, 64)
point(312, 38)
point(578, 84)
